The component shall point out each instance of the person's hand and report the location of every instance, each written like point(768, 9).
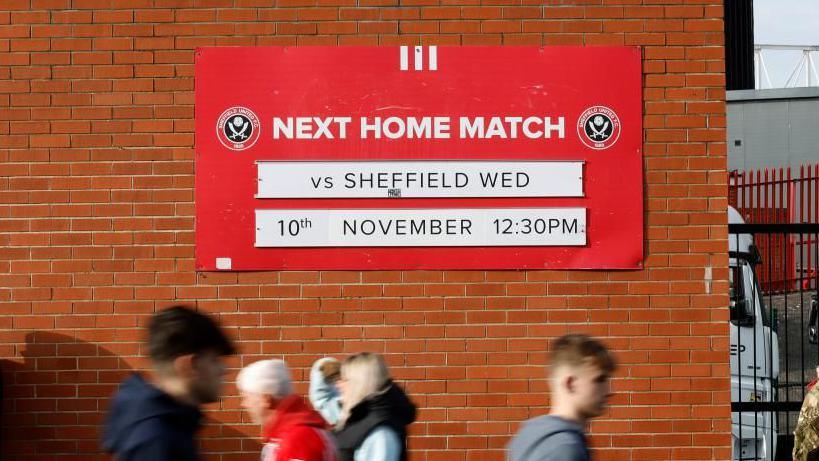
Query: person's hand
point(331, 370)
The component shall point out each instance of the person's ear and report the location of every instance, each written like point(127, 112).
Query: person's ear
point(185, 365)
point(570, 382)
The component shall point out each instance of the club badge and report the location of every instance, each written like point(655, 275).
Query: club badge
point(598, 127)
point(238, 128)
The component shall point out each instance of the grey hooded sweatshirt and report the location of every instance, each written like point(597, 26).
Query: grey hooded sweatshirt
point(548, 438)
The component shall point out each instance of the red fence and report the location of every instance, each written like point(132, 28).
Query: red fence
point(778, 195)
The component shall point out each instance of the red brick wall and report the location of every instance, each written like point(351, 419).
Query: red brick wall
point(96, 231)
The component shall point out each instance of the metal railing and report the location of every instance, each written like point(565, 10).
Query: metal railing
point(773, 335)
point(780, 196)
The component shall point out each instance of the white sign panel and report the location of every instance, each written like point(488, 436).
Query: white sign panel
point(419, 179)
point(421, 227)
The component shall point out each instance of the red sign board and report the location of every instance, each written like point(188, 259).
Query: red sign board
point(401, 158)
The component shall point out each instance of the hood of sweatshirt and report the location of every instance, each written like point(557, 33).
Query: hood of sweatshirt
point(137, 402)
point(533, 437)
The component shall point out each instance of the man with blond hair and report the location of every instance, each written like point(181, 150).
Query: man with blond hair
point(581, 368)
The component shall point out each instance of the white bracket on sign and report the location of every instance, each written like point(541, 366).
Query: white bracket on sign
point(224, 263)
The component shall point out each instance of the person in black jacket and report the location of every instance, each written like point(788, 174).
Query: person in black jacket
point(375, 412)
point(156, 420)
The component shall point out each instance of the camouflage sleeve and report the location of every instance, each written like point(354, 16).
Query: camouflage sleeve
point(806, 435)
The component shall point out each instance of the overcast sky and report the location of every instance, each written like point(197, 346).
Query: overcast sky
point(786, 22)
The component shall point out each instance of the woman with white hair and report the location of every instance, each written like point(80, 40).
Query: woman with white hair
point(375, 412)
point(291, 429)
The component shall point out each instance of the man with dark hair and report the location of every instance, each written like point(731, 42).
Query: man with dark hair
point(156, 420)
point(580, 370)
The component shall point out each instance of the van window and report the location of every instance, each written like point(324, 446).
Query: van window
point(755, 292)
point(741, 309)
point(745, 295)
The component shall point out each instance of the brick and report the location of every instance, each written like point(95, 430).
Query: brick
point(684, 12)
point(482, 12)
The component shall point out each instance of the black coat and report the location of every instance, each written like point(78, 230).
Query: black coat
point(391, 407)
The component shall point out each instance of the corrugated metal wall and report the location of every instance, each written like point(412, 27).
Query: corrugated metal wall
point(772, 133)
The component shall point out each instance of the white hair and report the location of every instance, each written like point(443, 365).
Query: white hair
point(266, 377)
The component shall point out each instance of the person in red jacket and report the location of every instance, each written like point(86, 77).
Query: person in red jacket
point(291, 429)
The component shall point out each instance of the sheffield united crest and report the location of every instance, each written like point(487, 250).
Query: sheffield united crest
point(238, 128)
point(598, 127)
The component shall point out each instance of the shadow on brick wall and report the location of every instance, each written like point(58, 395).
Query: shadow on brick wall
point(54, 403)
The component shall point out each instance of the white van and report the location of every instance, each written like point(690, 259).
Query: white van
point(754, 352)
